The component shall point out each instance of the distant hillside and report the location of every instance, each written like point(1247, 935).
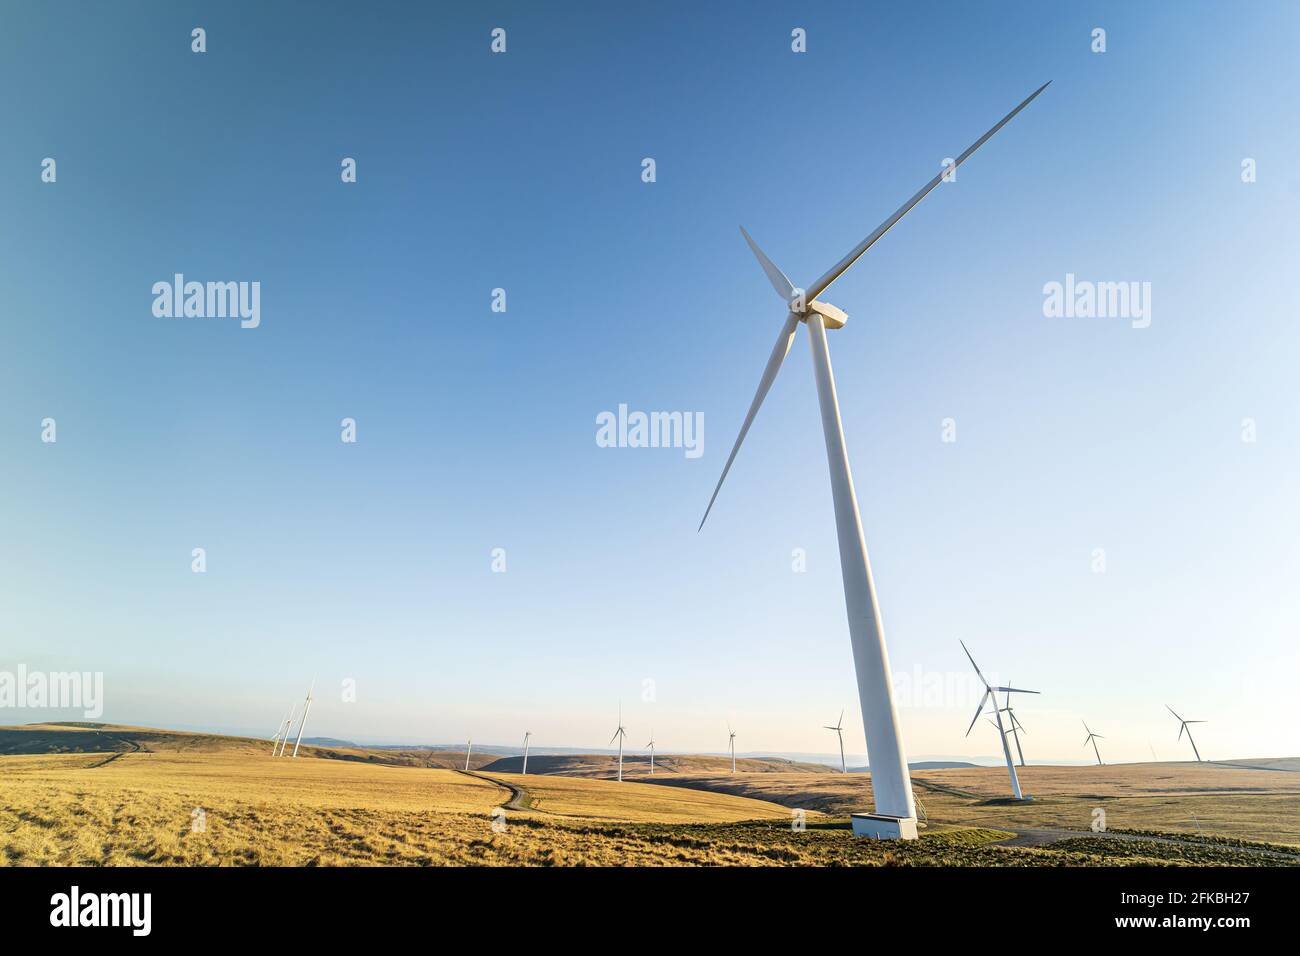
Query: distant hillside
point(331, 742)
point(79, 737)
point(1291, 764)
point(605, 765)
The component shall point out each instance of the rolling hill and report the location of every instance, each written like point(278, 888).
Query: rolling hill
point(606, 765)
point(55, 738)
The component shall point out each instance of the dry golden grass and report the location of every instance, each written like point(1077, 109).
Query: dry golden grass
point(637, 802)
point(1214, 799)
point(84, 737)
point(136, 808)
point(133, 804)
point(638, 765)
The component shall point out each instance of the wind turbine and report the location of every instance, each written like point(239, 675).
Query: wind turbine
point(284, 741)
point(731, 742)
point(469, 749)
point(890, 779)
point(619, 735)
point(1011, 731)
point(651, 745)
point(1092, 739)
point(1016, 728)
point(839, 730)
point(302, 723)
point(1184, 726)
point(527, 734)
point(281, 731)
point(989, 691)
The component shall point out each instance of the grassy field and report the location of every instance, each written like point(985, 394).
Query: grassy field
point(121, 738)
point(138, 807)
point(1225, 800)
point(636, 802)
point(135, 803)
point(606, 765)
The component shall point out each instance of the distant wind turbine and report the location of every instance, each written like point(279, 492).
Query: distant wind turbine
point(1092, 739)
point(1016, 728)
point(839, 732)
point(651, 745)
point(895, 815)
point(284, 741)
point(527, 734)
point(1183, 727)
point(731, 742)
point(989, 691)
point(281, 731)
point(303, 723)
point(619, 735)
point(469, 749)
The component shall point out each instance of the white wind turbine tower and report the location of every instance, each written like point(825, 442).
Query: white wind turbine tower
point(527, 734)
point(1016, 728)
point(731, 742)
point(1092, 739)
point(619, 735)
point(839, 731)
point(281, 731)
point(284, 741)
point(303, 723)
point(651, 745)
point(1184, 726)
point(990, 691)
point(895, 815)
point(469, 749)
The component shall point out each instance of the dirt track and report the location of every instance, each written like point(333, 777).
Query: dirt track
point(519, 798)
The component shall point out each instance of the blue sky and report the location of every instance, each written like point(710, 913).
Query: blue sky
point(372, 561)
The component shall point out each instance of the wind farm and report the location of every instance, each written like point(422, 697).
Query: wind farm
point(466, 401)
point(341, 806)
point(710, 799)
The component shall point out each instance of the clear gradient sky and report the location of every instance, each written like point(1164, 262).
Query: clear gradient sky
point(371, 561)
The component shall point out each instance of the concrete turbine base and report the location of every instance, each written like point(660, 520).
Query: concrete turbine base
point(881, 827)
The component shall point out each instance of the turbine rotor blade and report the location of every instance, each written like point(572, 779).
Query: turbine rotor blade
point(783, 286)
point(1016, 690)
point(973, 664)
point(979, 710)
point(837, 270)
point(779, 351)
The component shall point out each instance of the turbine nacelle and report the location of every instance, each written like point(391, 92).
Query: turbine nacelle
point(833, 317)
